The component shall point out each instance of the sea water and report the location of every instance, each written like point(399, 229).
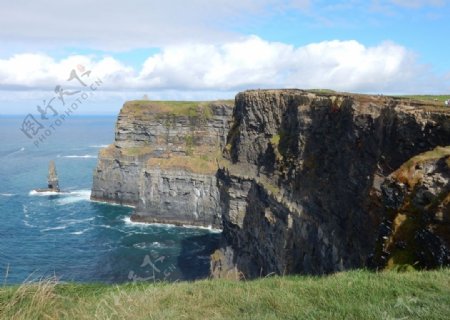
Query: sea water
point(69, 237)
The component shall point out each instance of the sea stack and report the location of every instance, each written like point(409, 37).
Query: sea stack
point(53, 184)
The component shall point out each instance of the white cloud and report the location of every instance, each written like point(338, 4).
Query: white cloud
point(250, 62)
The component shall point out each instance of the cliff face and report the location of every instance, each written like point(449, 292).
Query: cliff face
point(416, 226)
point(301, 182)
point(301, 191)
point(163, 161)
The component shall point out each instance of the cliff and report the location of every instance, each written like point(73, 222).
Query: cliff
point(416, 227)
point(300, 182)
point(301, 190)
point(163, 161)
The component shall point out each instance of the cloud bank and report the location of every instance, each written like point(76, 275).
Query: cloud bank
point(250, 62)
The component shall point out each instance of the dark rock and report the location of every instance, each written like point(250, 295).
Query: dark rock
point(312, 198)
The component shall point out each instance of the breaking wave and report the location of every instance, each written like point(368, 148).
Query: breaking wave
point(128, 221)
point(86, 156)
point(99, 146)
point(54, 228)
point(65, 197)
point(80, 232)
point(45, 193)
point(75, 196)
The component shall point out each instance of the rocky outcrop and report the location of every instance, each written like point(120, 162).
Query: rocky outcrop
point(416, 226)
point(163, 161)
point(301, 191)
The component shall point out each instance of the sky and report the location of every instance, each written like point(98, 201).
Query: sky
point(212, 49)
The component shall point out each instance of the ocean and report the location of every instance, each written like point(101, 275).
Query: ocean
point(68, 236)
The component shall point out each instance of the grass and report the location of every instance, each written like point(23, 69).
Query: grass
point(275, 140)
point(439, 98)
point(322, 91)
point(348, 295)
point(408, 173)
point(410, 218)
point(176, 108)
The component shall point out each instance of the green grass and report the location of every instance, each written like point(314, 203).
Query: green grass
point(348, 295)
point(275, 140)
point(176, 108)
point(322, 91)
point(439, 98)
point(407, 173)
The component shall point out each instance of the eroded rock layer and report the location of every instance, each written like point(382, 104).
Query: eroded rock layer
point(163, 161)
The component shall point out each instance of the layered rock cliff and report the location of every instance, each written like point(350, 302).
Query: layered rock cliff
point(163, 161)
point(301, 182)
point(301, 192)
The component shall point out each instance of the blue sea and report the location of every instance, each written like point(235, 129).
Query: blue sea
point(68, 236)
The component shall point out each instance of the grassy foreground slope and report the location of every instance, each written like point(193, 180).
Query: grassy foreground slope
point(347, 295)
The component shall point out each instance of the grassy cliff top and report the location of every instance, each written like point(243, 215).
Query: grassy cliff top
point(417, 100)
point(177, 108)
point(433, 98)
point(346, 295)
point(410, 174)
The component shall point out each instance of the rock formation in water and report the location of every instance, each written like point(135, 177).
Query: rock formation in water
point(163, 161)
point(53, 182)
point(52, 179)
point(302, 182)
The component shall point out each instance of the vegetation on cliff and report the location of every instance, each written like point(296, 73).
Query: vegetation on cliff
point(417, 196)
point(347, 295)
point(175, 108)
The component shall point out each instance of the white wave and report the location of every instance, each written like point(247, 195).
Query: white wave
point(43, 194)
point(145, 245)
point(80, 232)
point(113, 204)
point(86, 156)
point(7, 194)
point(75, 196)
point(54, 228)
point(99, 146)
point(128, 221)
point(209, 228)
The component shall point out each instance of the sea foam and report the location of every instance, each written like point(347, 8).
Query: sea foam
point(86, 156)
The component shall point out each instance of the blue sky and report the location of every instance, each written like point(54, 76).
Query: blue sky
point(213, 49)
